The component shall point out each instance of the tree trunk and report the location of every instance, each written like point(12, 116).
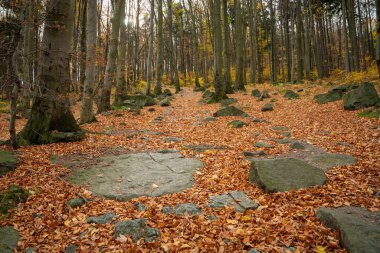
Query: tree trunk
point(109, 78)
point(51, 107)
point(150, 50)
point(218, 59)
point(120, 77)
point(87, 114)
point(226, 49)
point(160, 50)
point(378, 35)
point(194, 45)
point(299, 42)
point(239, 36)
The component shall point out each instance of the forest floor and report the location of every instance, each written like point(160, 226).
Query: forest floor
point(284, 219)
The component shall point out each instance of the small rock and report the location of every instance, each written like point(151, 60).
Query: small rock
point(237, 199)
point(102, 219)
point(8, 161)
point(282, 141)
point(286, 134)
point(300, 90)
point(253, 251)
point(140, 207)
point(342, 143)
point(229, 111)
point(76, 202)
point(137, 229)
point(289, 94)
point(258, 153)
point(8, 239)
point(208, 119)
point(188, 208)
point(262, 145)
point(257, 120)
point(151, 109)
point(267, 108)
point(237, 124)
point(265, 94)
point(164, 102)
point(172, 139)
point(228, 101)
point(280, 128)
point(167, 210)
point(297, 145)
point(168, 151)
point(30, 250)
point(212, 217)
point(256, 93)
point(72, 248)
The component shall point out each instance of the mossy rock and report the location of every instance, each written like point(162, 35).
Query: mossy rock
point(164, 102)
point(8, 161)
point(267, 108)
point(237, 124)
point(229, 111)
point(327, 97)
point(361, 97)
point(289, 94)
point(9, 238)
point(67, 136)
point(256, 93)
point(11, 197)
point(228, 101)
point(371, 113)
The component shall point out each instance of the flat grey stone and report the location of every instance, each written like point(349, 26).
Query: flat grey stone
point(237, 124)
point(285, 174)
point(262, 145)
point(76, 202)
point(167, 210)
point(8, 239)
point(267, 108)
point(127, 176)
point(282, 141)
point(257, 120)
point(137, 229)
point(172, 139)
point(258, 153)
point(359, 229)
point(167, 151)
point(201, 148)
point(280, 128)
point(31, 250)
point(327, 161)
point(72, 248)
point(297, 145)
point(102, 219)
point(253, 251)
point(236, 199)
point(229, 111)
point(187, 208)
point(286, 134)
point(209, 119)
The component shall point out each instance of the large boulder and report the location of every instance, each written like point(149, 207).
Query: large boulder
point(8, 239)
point(136, 102)
point(229, 111)
point(285, 174)
point(237, 124)
point(359, 229)
point(327, 97)
point(8, 161)
point(361, 97)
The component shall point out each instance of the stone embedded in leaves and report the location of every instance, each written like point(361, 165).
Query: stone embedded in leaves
point(102, 219)
point(8, 161)
point(164, 102)
point(187, 208)
point(11, 197)
point(327, 161)
point(267, 108)
point(361, 97)
point(291, 94)
point(229, 111)
point(261, 144)
point(256, 93)
point(359, 229)
point(8, 239)
point(285, 174)
point(137, 229)
point(237, 124)
point(297, 145)
point(76, 202)
point(228, 101)
point(237, 199)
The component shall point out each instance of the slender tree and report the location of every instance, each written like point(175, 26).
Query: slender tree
point(150, 50)
point(160, 50)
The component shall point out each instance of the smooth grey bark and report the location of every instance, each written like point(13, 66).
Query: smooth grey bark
point(87, 113)
point(226, 49)
point(160, 50)
point(218, 57)
point(122, 50)
point(253, 28)
point(239, 36)
point(105, 100)
point(194, 44)
point(345, 36)
point(378, 35)
point(299, 42)
point(150, 50)
point(353, 35)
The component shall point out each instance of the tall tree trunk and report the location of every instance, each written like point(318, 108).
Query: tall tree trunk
point(173, 61)
point(378, 35)
point(194, 45)
point(160, 50)
point(353, 36)
point(347, 66)
point(87, 114)
point(109, 78)
point(82, 65)
point(299, 42)
point(51, 107)
point(120, 77)
point(150, 50)
point(218, 57)
point(239, 36)
point(253, 29)
point(226, 49)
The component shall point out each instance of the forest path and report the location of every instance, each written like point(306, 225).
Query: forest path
point(283, 220)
